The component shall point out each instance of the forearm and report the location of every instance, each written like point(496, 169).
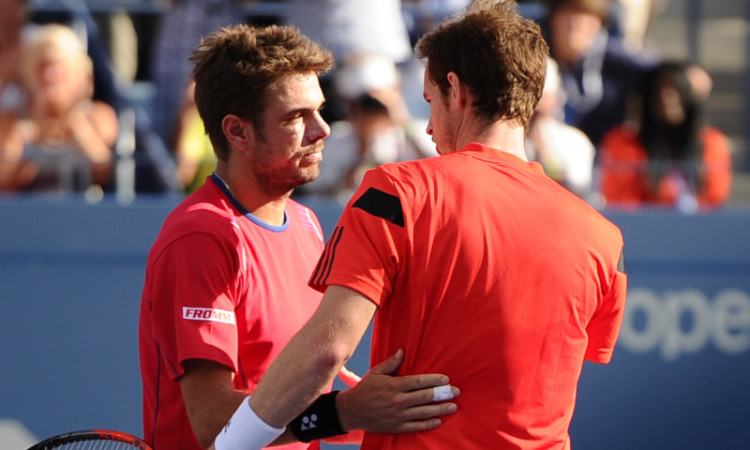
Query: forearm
point(91, 144)
point(304, 369)
point(311, 360)
point(297, 377)
point(94, 127)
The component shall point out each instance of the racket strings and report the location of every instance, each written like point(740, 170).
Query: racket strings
point(95, 445)
point(92, 440)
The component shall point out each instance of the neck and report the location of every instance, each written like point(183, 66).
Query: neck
point(502, 136)
point(246, 191)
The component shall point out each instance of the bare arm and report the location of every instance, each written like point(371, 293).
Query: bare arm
point(94, 128)
point(313, 357)
point(210, 398)
point(381, 402)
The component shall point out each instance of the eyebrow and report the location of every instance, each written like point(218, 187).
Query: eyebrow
point(295, 111)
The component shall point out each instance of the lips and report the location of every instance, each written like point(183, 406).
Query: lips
point(312, 157)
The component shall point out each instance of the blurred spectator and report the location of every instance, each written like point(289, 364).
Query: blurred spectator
point(353, 27)
point(564, 151)
point(423, 15)
point(119, 40)
point(634, 18)
point(379, 128)
point(194, 152)
point(13, 20)
point(597, 72)
point(349, 28)
point(76, 15)
point(63, 140)
point(181, 28)
point(673, 159)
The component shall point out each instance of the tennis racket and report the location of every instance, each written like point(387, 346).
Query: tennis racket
point(93, 440)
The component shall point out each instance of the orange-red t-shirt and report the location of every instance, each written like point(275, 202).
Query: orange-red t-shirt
point(488, 271)
point(624, 175)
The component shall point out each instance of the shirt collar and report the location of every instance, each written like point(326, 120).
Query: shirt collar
point(493, 154)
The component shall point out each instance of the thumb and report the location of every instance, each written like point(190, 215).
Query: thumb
point(391, 365)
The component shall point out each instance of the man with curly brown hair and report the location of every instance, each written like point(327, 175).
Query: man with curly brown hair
point(477, 264)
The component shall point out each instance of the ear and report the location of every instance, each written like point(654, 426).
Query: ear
point(460, 95)
point(238, 131)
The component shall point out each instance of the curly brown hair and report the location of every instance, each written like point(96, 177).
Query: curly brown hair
point(500, 55)
point(236, 66)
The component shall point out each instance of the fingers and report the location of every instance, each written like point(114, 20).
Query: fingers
point(410, 383)
point(390, 365)
point(426, 417)
point(441, 393)
point(430, 395)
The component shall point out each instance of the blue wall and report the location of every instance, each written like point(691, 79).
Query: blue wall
point(71, 275)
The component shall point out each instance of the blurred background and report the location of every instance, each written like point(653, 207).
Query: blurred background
point(76, 223)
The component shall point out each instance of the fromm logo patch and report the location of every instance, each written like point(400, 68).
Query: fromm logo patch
point(208, 315)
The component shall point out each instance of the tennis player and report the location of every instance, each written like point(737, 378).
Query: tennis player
point(477, 264)
point(226, 279)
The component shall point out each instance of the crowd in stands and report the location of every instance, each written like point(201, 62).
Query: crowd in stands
point(617, 125)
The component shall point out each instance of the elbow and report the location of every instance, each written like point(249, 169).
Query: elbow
point(205, 442)
point(204, 435)
point(330, 356)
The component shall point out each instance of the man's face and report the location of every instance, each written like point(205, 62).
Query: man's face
point(288, 145)
point(573, 33)
point(440, 126)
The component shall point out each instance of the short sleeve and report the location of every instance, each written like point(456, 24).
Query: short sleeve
point(194, 302)
point(365, 250)
point(604, 327)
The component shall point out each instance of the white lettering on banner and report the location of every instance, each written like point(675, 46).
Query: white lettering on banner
point(725, 321)
point(208, 315)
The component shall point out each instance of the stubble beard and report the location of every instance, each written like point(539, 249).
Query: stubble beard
point(274, 184)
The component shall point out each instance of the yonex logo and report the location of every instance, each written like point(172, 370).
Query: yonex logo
point(308, 422)
point(208, 315)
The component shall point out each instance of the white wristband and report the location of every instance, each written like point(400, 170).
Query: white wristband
point(246, 431)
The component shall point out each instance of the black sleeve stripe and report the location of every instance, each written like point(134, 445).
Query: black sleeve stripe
point(621, 262)
point(381, 204)
point(326, 260)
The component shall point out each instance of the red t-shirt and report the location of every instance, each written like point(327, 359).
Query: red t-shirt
point(624, 171)
point(225, 287)
point(488, 271)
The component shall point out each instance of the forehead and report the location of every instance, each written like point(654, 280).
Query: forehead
point(296, 91)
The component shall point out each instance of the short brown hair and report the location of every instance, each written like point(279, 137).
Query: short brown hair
point(599, 8)
point(236, 66)
point(501, 56)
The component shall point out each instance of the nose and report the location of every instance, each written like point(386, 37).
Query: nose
point(429, 127)
point(319, 129)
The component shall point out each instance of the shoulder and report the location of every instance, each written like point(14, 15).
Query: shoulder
point(412, 173)
point(202, 212)
point(715, 144)
point(617, 54)
point(712, 134)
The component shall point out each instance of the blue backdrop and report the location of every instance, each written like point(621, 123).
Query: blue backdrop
point(71, 275)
